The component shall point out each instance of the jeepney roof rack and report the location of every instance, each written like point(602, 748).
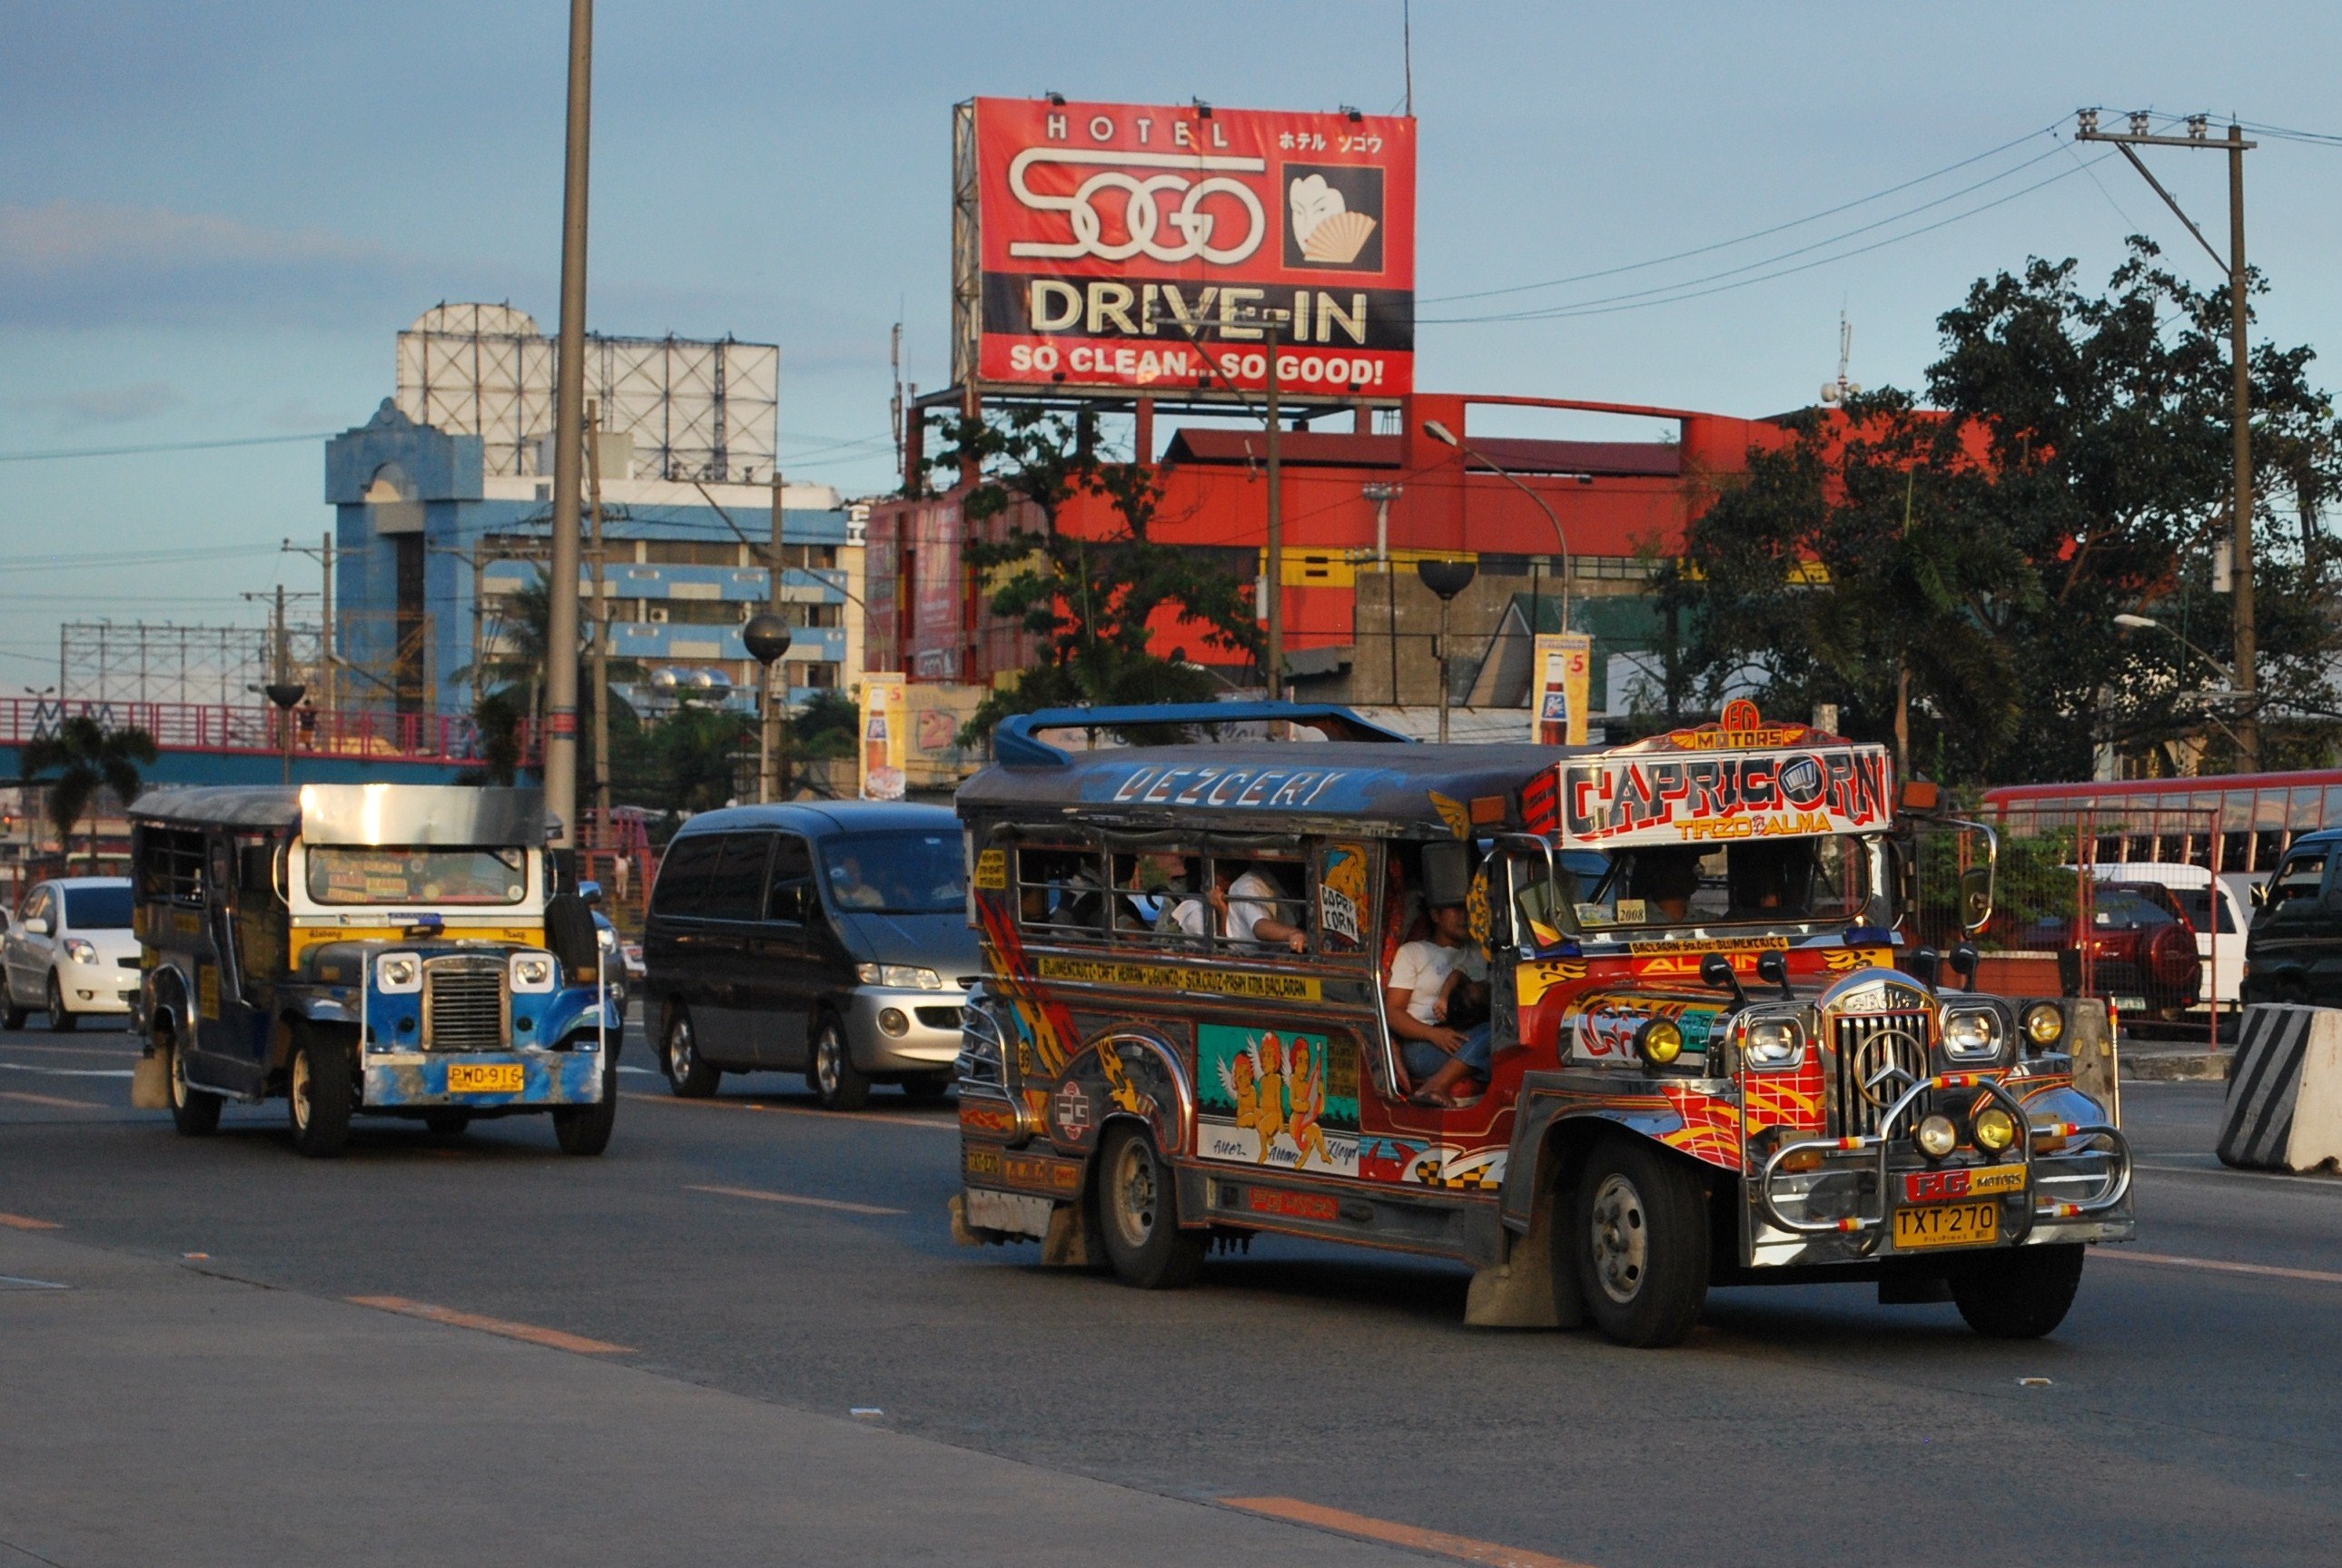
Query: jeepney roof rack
point(359, 814)
point(1014, 745)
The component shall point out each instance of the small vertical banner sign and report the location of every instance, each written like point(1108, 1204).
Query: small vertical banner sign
point(885, 719)
point(1565, 672)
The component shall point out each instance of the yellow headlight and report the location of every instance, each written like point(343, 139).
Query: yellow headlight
point(1935, 1135)
point(1660, 1041)
point(1995, 1129)
point(2044, 1024)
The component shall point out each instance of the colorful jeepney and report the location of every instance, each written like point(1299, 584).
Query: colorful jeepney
point(1718, 1055)
point(388, 950)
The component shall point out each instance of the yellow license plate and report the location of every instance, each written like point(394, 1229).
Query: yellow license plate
point(487, 1078)
point(1947, 1225)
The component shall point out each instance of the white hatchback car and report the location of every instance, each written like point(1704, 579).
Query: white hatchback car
point(70, 952)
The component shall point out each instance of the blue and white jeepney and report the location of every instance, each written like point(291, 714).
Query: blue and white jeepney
point(391, 950)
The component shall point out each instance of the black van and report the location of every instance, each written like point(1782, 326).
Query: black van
point(2293, 951)
point(829, 939)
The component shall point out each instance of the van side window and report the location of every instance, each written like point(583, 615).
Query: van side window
point(1061, 891)
point(2301, 877)
point(737, 890)
point(683, 875)
point(789, 892)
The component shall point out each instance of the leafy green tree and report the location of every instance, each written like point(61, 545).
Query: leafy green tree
point(1954, 572)
point(1089, 602)
point(513, 679)
point(87, 758)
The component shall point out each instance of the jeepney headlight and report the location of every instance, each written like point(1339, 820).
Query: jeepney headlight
point(1774, 1042)
point(1995, 1129)
point(394, 972)
point(532, 972)
point(2044, 1024)
point(1972, 1034)
point(1659, 1041)
point(1935, 1135)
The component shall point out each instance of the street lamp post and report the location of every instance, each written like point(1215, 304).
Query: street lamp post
point(1446, 437)
point(286, 696)
point(1447, 579)
point(767, 637)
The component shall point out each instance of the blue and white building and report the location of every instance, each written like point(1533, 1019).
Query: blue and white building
point(444, 501)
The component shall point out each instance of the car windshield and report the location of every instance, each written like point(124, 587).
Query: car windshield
point(1793, 881)
point(97, 908)
point(901, 872)
point(345, 874)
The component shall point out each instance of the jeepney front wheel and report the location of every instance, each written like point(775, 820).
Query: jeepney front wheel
point(1138, 1215)
point(1639, 1222)
point(319, 1095)
point(2022, 1294)
point(585, 1130)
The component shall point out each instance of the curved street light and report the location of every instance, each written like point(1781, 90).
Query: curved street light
point(1446, 437)
point(2149, 624)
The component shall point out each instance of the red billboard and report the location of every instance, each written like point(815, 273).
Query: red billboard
point(1130, 248)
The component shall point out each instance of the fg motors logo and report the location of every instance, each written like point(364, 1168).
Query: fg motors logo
point(1178, 207)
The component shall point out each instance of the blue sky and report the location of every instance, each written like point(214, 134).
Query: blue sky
point(214, 219)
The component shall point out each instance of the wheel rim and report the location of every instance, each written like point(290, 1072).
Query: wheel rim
point(178, 1080)
point(299, 1095)
point(1621, 1239)
point(678, 1049)
point(1132, 1185)
point(825, 1072)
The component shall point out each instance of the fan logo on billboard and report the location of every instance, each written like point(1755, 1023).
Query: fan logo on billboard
point(1142, 214)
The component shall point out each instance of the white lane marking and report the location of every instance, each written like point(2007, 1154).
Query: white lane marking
point(70, 1071)
point(2210, 1166)
point(2220, 1266)
point(15, 1283)
point(643, 1071)
point(764, 1197)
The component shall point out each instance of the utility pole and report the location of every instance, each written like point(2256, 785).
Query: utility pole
point(1271, 325)
point(768, 769)
point(568, 444)
point(327, 691)
point(601, 632)
point(1382, 495)
point(2247, 729)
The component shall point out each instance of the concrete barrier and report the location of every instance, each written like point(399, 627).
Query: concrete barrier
point(2285, 1094)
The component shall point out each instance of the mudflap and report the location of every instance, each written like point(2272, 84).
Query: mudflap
point(150, 1083)
point(1522, 1291)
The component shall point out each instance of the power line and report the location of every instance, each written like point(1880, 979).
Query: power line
point(1641, 299)
point(55, 453)
point(1774, 229)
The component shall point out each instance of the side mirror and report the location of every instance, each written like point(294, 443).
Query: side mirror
point(1963, 961)
point(591, 892)
point(38, 925)
point(1926, 963)
point(1772, 967)
point(1975, 899)
point(1716, 973)
point(2260, 891)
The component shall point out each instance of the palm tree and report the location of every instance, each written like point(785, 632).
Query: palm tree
point(87, 757)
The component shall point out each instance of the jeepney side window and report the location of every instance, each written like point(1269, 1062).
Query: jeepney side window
point(1151, 888)
point(1061, 890)
point(1261, 887)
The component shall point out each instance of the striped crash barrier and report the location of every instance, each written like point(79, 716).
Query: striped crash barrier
point(2285, 1089)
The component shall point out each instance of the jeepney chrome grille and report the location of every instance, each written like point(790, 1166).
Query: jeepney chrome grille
point(1871, 1048)
point(464, 1003)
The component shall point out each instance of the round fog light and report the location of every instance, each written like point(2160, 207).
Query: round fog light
point(1996, 1129)
point(1935, 1135)
point(2044, 1024)
point(892, 1021)
point(1660, 1041)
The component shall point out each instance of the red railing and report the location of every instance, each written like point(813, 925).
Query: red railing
point(222, 728)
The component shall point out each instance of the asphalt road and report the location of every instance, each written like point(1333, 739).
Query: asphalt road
point(752, 1245)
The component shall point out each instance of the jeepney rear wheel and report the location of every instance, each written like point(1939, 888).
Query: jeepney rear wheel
point(687, 1075)
point(834, 1078)
point(194, 1112)
point(319, 1095)
point(1640, 1224)
point(2023, 1294)
point(1138, 1215)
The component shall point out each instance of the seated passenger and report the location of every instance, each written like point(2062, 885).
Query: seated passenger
point(1424, 982)
point(1769, 878)
point(1156, 884)
point(1248, 906)
point(1665, 879)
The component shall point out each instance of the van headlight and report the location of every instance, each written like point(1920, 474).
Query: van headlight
point(1972, 1034)
point(898, 976)
point(1773, 1043)
point(394, 972)
point(532, 972)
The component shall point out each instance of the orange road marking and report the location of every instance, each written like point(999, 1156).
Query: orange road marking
point(21, 1223)
point(951, 1126)
point(793, 1198)
point(552, 1338)
point(2268, 1271)
point(1462, 1548)
point(51, 1099)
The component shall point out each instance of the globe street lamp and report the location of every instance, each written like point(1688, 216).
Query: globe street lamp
point(286, 696)
point(767, 637)
point(1447, 579)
